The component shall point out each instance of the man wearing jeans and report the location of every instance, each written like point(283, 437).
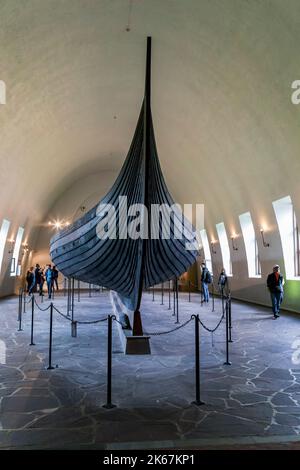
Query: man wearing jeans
point(205, 280)
point(275, 284)
point(49, 280)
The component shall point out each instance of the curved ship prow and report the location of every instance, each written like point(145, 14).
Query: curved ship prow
point(130, 240)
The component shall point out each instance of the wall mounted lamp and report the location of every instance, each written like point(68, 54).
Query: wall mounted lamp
point(235, 248)
point(25, 249)
point(214, 251)
point(57, 224)
point(265, 244)
point(11, 247)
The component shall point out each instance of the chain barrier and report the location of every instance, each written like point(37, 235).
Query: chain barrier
point(78, 321)
point(118, 321)
point(169, 331)
point(62, 314)
point(42, 309)
point(212, 330)
point(28, 300)
point(91, 321)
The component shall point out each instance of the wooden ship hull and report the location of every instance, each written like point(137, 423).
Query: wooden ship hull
point(127, 265)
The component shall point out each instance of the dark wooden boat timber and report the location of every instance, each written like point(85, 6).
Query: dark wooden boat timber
point(126, 266)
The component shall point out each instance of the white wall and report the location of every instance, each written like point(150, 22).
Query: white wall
point(255, 290)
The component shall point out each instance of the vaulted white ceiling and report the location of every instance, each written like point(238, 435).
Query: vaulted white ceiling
point(227, 132)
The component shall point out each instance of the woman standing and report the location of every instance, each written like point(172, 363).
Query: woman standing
point(223, 282)
point(30, 279)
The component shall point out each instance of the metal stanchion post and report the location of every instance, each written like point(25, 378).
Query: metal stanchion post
point(21, 298)
point(169, 308)
point(162, 293)
point(177, 306)
point(229, 319)
point(72, 301)
point(108, 405)
point(24, 300)
point(198, 401)
point(32, 318)
point(189, 291)
point(222, 298)
point(78, 291)
point(20, 310)
point(153, 294)
point(50, 337)
point(227, 362)
point(213, 297)
point(69, 297)
point(65, 287)
point(90, 290)
point(74, 329)
point(174, 299)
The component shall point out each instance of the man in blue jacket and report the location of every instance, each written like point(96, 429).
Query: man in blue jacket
point(49, 280)
point(275, 283)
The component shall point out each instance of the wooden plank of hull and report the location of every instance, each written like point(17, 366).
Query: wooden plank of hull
point(115, 264)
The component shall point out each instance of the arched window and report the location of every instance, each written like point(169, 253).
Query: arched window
point(15, 258)
point(254, 269)
point(289, 235)
point(3, 236)
point(224, 248)
point(206, 249)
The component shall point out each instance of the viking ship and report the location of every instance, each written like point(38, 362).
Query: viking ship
point(127, 264)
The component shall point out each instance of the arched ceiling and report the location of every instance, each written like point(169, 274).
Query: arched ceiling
point(227, 132)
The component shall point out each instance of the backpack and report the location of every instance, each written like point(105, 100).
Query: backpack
point(208, 277)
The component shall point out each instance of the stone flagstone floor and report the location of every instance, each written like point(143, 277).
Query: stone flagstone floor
point(255, 400)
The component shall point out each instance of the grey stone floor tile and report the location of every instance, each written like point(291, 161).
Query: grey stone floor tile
point(258, 396)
